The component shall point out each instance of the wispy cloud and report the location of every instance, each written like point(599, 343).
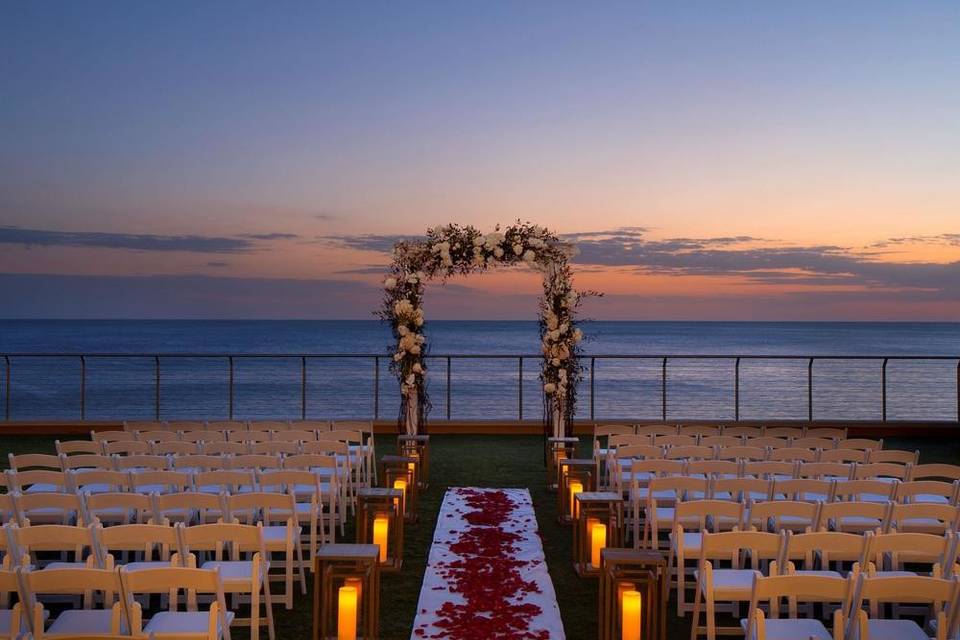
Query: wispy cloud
point(756, 260)
point(136, 241)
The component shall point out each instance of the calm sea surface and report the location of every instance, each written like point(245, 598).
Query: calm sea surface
point(337, 387)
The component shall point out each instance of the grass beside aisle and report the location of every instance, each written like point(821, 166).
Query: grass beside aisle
point(483, 461)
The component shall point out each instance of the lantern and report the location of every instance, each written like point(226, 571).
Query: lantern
point(576, 476)
point(633, 594)
point(380, 522)
point(402, 472)
point(417, 446)
point(346, 592)
point(599, 525)
point(558, 449)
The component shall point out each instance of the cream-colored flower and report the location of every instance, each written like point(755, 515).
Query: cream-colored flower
point(415, 349)
point(555, 362)
point(577, 335)
point(518, 248)
point(390, 283)
point(498, 252)
point(417, 367)
point(552, 321)
point(398, 356)
point(419, 321)
point(530, 255)
point(555, 335)
point(403, 330)
point(549, 388)
point(563, 328)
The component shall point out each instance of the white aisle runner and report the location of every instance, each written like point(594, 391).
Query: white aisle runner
point(486, 578)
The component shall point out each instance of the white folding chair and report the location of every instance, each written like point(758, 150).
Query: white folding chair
point(174, 624)
point(80, 582)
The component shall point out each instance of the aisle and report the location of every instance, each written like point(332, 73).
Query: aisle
point(486, 577)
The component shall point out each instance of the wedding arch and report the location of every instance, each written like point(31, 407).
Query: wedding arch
point(455, 249)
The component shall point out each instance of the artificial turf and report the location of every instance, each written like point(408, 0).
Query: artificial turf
point(484, 461)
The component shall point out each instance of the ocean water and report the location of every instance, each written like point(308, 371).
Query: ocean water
point(334, 382)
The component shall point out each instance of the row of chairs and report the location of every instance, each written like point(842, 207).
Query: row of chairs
point(635, 472)
point(315, 507)
point(721, 574)
point(239, 551)
point(32, 473)
point(112, 604)
point(661, 429)
point(247, 425)
point(360, 445)
point(776, 442)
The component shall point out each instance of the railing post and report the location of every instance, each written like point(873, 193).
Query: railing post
point(156, 395)
point(520, 388)
point(883, 390)
point(958, 390)
point(448, 388)
point(230, 390)
point(810, 390)
point(303, 387)
point(83, 388)
point(6, 405)
point(663, 389)
point(736, 390)
point(593, 367)
point(376, 387)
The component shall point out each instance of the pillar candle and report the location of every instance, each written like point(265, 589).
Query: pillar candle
point(381, 530)
point(575, 487)
point(401, 484)
point(347, 613)
point(598, 540)
point(630, 608)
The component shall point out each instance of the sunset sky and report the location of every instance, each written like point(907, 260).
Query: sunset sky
point(713, 160)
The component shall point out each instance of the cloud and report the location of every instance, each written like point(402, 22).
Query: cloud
point(135, 241)
point(187, 296)
point(270, 236)
point(216, 263)
point(755, 260)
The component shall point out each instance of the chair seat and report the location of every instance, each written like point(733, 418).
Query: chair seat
point(275, 534)
point(44, 488)
point(930, 497)
point(737, 582)
point(65, 565)
point(895, 630)
point(794, 629)
point(149, 564)
point(169, 623)
point(232, 572)
point(820, 573)
point(691, 542)
point(82, 621)
point(6, 618)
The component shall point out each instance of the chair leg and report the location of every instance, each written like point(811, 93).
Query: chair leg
point(255, 613)
point(711, 618)
point(303, 577)
point(694, 627)
point(269, 603)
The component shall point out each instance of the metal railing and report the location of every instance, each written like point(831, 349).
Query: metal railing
point(662, 363)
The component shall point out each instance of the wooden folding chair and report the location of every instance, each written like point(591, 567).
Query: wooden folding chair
point(174, 624)
point(795, 589)
point(85, 583)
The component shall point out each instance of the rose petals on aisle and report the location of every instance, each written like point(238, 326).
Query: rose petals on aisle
point(486, 577)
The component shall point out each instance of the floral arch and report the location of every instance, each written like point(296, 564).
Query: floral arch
point(455, 249)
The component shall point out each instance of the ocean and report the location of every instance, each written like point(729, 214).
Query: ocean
point(50, 388)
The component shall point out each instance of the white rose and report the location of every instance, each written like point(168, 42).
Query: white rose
point(390, 283)
point(555, 362)
point(419, 322)
point(412, 278)
point(415, 349)
point(552, 322)
point(518, 249)
point(577, 335)
point(498, 252)
point(549, 388)
point(530, 255)
point(417, 368)
point(555, 335)
point(478, 241)
point(411, 379)
point(398, 356)
point(402, 330)
point(564, 327)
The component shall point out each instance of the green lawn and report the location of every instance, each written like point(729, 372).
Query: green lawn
point(486, 461)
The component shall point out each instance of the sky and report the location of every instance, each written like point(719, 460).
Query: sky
point(713, 161)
